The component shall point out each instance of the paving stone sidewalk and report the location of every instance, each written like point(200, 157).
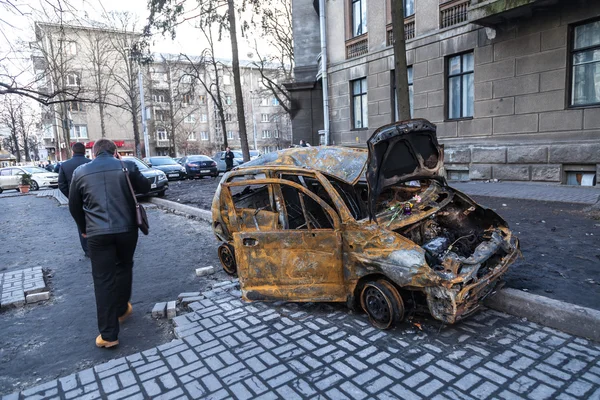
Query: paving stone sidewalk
point(230, 349)
point(531, 191)
point(19, 287)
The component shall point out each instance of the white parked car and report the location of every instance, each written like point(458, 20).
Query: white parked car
point(10, 178)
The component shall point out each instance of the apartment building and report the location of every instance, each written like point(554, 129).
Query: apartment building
point(94, 63)
point(179, 102)
point(513, 86)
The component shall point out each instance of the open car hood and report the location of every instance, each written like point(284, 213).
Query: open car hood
point(400, 152)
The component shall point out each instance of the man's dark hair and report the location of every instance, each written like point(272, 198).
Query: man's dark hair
point(78, 148)
point(104, 145)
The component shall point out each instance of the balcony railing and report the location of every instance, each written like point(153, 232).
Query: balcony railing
point(358, 46)
point(409, 30)
point(453, 12)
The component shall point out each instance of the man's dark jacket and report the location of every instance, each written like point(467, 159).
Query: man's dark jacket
point(99, 198)
point(65, 174)
point(229, 156)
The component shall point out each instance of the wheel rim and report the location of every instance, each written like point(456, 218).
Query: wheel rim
point(34, 185)
point(227, 259)
point(377, 305)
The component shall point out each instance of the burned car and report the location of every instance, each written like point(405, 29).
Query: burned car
point(379, 227)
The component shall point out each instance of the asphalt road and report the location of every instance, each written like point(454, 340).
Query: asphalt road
point(46, 340)
point(560, 243)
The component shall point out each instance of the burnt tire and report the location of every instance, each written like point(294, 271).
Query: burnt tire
point(382, 303)
point(227, 258)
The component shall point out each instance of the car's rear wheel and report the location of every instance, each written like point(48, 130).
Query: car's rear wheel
point(34, 185)
point(227, 258)
point(162, 193)
point(1, 190)
point(382, 303)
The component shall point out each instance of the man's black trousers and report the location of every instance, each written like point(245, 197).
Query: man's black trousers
point(112, 264)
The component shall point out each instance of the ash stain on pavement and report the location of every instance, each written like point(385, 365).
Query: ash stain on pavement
point(51, 339)
point(560, 245)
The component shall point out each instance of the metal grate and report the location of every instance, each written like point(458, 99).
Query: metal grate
point(454, 12)
point(357, 47)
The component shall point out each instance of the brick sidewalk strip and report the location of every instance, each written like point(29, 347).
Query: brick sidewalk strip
point(530, 191)
point(231, 349)
point(15, 286)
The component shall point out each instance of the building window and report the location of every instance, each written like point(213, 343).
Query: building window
point(264, 102)
point(229, 134)
point(359, 103)
point(76, 106)
point(192, 136)
point(460, 86)
point(187, 98)
point(359, 17)
point(228, 117)
point(264, 118)
point(80, 132)
point(585, 64)
point(274, 101)
point(70, 47)
point(161, 134)
point(409, 8)
point(202, 99)
point(409, 75)
point(266, 134)
point(226, 79)
point(158, 98)
point(228, 100)
point(276, 133)
point(204, 136)
point(190, 119)
point(186, 79)
point(203, 118)
point(160, 115)
point(73, 79)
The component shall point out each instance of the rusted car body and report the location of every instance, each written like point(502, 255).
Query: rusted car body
point(379, 227)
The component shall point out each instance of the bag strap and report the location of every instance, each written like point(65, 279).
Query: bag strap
point(129, 183)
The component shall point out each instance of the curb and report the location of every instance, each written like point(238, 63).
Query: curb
point(199, 213)
point(566, 317)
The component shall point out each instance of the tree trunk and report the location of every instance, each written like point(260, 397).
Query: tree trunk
point(136, 135)
point(239, 100)
point(220, 105)
point(66, 129)
point(102, 107)
point(24, 135)
point(400, 74)
point(16, 144)
point(171, 115)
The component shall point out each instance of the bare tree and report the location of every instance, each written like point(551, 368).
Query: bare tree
point(276, 69)
point(10, 115)
point(166, 16)
point(125, 72)
point(401, 75)
point(206, 71)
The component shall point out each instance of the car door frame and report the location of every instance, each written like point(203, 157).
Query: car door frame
point(284, 264)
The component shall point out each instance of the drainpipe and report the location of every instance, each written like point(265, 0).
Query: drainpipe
point(322, 23)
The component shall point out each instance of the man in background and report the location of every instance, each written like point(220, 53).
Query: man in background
point(103, 206)
point(65, 174)
point(229, 156)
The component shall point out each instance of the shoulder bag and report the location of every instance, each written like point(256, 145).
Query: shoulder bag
point(140, 214)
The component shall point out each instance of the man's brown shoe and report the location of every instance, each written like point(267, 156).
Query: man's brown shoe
point(123, 317)
point(104, 343)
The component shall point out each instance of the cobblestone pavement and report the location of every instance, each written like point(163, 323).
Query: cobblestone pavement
point(18, 287)
point(531, 191)
point(231, 349)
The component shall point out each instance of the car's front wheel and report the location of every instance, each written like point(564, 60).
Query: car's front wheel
point(227, 258)
point(162, 193)
point(34, 185)
point(382, 303)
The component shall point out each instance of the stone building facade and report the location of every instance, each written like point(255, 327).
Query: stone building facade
point(513, 86)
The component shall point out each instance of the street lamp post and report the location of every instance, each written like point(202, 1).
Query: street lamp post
point(143, 107)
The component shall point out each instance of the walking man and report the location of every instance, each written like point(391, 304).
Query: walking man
point(102, 205)
point(65, 174)
point(229, 156)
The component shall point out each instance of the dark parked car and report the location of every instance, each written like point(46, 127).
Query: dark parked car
point(169, 166)
point(199, 166)
point(158, 180)
point(219, 157)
